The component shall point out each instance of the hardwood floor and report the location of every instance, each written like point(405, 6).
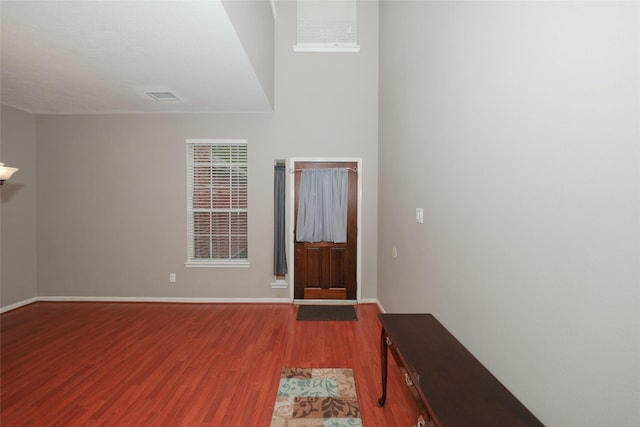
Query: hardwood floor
point(157, 364)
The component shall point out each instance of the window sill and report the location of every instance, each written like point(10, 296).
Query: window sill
point(218, 263)
point(279, 284)
point(326, 48)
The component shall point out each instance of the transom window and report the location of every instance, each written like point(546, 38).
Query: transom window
point(326, 26)
point(217, 200)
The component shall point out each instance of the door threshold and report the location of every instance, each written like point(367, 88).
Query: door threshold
point(325, 301)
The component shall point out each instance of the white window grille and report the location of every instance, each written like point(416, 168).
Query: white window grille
point(217, 202)
point(327, 26)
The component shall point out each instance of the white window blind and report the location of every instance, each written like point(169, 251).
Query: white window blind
point(217, 200)
point(327, 26)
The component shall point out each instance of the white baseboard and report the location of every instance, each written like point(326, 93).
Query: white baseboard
point(18, 305)
point(166, 299)
point(171, 300)
point(143, 299)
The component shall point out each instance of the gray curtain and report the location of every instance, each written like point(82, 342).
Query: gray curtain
point(279, 239)
point(322, 205)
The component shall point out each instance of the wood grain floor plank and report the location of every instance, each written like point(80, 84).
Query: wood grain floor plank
point(150, 364)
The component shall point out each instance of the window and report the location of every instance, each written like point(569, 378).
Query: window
point(217, 202)
point(326, 26)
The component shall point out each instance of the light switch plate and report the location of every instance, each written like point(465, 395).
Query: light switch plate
point(419, 215)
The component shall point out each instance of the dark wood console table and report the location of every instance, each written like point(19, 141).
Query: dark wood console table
point(451, 387)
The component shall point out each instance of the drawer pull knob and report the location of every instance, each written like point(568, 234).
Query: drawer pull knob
point(408, 380)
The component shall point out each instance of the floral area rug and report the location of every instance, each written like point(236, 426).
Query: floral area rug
point(316, 398)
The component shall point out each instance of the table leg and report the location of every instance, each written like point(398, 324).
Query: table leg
point(383, 366)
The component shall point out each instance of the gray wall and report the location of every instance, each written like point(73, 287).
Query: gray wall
point(253, 22)
point(112, 191)
point(18, 271)
point(515, 126)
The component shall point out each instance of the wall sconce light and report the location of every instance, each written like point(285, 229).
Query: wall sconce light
point(6, 172)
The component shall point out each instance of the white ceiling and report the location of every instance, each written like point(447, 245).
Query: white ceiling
point(95, 56)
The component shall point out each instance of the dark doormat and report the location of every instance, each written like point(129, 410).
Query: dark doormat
point(326, 312)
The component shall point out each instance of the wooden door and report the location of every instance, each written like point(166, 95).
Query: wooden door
point(326, 270)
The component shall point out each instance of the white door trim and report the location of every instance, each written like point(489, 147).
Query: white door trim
point(292, 193)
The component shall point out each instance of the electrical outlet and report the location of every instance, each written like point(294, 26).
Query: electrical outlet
point(172, 277)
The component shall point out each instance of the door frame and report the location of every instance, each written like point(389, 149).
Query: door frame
point(292, 194)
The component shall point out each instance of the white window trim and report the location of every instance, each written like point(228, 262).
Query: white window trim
point(218, 263)
point(322, 47)
point(243, 263)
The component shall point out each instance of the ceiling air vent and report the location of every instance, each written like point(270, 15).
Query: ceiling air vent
point(163, 96)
